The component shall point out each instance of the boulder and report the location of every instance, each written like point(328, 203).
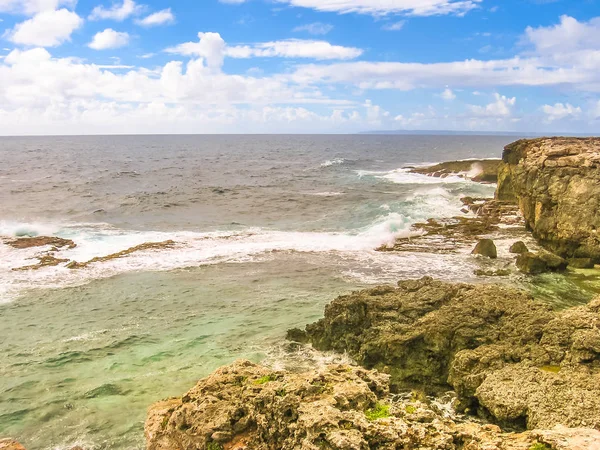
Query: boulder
point(541, 262)
point(519, 247)
point(486, 247)
point(509, 358)
point(556, 183)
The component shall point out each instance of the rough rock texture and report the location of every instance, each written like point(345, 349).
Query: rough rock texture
point(556, 182)
point(41, 241)
point(509, 357)
point(486, 247)
point(482, 171)
point(10, 444)
point(246, 406)
point(535, 263)
point(518, 248)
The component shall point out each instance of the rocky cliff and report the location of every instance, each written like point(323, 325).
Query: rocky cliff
point(556, 182)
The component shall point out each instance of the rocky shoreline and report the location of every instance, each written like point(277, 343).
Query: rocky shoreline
point(514, 373)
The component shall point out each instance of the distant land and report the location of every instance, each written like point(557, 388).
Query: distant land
point(472, 133)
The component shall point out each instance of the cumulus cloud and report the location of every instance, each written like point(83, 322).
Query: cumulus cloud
point(383, 7)
point(109, 38)
point(448, 94)
point(560, 111)
point(316, 28)
point(31, 7)
point(500, 108)
point(46, 29)
point(213, 47)
point(163, 17)
point(118, 12)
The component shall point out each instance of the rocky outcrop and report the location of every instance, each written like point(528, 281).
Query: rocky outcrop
point(518, 248)
point(540, 262)
point(510, 358)
point(41, 241)
point(138, 248)
point(481, 170)
point(556, 182)
point(341, 407)
point(10, 444)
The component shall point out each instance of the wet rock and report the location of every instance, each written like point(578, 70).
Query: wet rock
point(10, 444)
point(138, 248)
point(483, 171)
point(492, 273)
point(41, 241)
point(246, 406)
point(44, 261)
point(581, 263)
point(518, 247)
point(486, 247)
point(510, 358)
point(541, 262)
point(556, 183)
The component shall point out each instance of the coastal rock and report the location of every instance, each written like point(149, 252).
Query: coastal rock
point(138, 248)
point(482, 171)
point(486, 247)
point(10, 444)
point(509, 358)
point(541, 262)
point(556, 183)
point(246, 406)
point(41, 241)
point(518, 247)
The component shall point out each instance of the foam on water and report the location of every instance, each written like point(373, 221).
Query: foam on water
point(404, 176)
point(333, 162)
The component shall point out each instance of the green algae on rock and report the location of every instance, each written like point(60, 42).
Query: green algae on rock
point(488, 342)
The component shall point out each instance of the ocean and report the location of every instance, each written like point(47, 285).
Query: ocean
point(267, 230)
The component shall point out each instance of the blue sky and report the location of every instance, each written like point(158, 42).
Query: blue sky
point(306, 66)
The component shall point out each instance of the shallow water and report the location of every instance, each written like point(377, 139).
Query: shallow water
point(268, 230)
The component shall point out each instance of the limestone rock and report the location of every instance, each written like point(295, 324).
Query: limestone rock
point(10, 444)
point(556, 182)
point(483, 171)
point(519, 247)
point(486, 247)
point(510, 358)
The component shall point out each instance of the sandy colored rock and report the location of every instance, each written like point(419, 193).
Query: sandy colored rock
point(10, 444)
point(41, 241)
point(510, 358)
point(124, 253)
point(43, 261)
point(556, 183)
point(540, 262)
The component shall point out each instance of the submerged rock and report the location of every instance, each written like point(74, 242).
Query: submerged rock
point(556, 182)
point(581, 263)
point(509, 358)
point(518, 247)
point(486, 247)
point(138, 248)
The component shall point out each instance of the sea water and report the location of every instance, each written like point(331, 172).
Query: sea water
point(267, 230)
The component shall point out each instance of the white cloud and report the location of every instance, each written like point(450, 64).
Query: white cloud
point(31, 7)
point(560, 111)
point(212, 47)
point(109, 38)
point(567, 36)
point(501, 108)
point(394, 26)
point(448, 94)
point(382, 7)
point(163, 17)
point(316, 28)
point(118, 12)
point(46, 29)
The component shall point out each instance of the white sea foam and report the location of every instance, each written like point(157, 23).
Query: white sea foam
point(333, 162)
point(404, 176)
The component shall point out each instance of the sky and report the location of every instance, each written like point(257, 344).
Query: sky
point(298, 66)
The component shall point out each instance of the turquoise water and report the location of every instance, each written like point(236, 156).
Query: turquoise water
point(268, 230)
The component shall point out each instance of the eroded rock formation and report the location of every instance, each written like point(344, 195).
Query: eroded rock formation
point(510, 358)
point(556, 182)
